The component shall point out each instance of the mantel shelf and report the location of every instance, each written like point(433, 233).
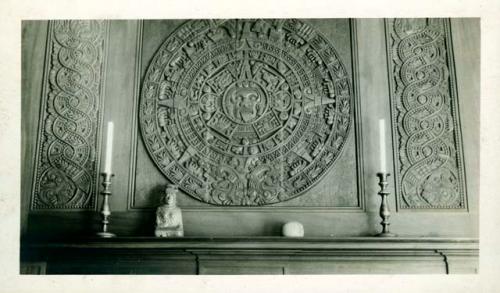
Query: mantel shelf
point(264, 243)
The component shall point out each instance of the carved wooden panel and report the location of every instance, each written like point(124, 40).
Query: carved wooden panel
point(427, 138)
point(67, 160)
point(245, 112)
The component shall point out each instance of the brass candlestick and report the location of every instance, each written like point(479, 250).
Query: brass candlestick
point(105, 210)
point(384, 206)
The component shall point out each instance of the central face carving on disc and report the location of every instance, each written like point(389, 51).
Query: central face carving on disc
point(245, 112)
point(244, 102)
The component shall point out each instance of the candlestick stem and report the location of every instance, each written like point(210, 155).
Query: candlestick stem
point(384, 206)
point(105, 209)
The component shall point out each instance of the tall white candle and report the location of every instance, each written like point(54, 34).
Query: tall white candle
point(109, 148)
point(383, 158)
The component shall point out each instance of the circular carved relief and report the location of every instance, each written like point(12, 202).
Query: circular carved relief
point(245, 112)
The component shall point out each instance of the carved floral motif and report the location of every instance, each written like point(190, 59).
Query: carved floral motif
point(429, 170)
point(66, 162)
point(245, 112)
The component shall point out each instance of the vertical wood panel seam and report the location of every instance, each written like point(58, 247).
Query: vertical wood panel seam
point(455, 100)
point(358, 142)
point(395, 158)
point(135, 113)
point(101, 114)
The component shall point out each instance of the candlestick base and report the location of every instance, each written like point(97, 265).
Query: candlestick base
point(106, 235)
point(382, 234)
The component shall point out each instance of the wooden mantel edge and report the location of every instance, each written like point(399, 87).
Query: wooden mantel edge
point(434, 243)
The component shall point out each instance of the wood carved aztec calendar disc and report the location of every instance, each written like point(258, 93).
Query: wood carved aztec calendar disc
point(245, 112)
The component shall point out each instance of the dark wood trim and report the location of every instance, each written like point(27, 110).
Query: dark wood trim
point(135, 113)
point(358, 136)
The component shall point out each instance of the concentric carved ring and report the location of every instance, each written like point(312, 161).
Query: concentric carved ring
point(245, 112)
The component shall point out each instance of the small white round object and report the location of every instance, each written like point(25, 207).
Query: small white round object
point(293, 229)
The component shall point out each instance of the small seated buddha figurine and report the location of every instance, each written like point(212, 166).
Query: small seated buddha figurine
point(169, 216)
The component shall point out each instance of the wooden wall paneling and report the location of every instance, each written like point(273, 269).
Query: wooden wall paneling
point(119, 105)
point(358, 122)
point(64, 224)
point(134, 128)
point(205, 224)
point(373, 84)
point(465, 39)
point(411, 263)
point(34, 40)
point(147, 186)
point(374, 105)
point(149, 182)
point(175, 262)
point(324, 262)
point(240, 267)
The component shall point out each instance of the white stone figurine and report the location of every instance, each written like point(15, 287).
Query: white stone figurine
point(169, 216)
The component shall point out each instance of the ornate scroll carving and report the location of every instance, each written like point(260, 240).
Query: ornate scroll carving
point(245, 112)
point(429, 165)
point(66, 170)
